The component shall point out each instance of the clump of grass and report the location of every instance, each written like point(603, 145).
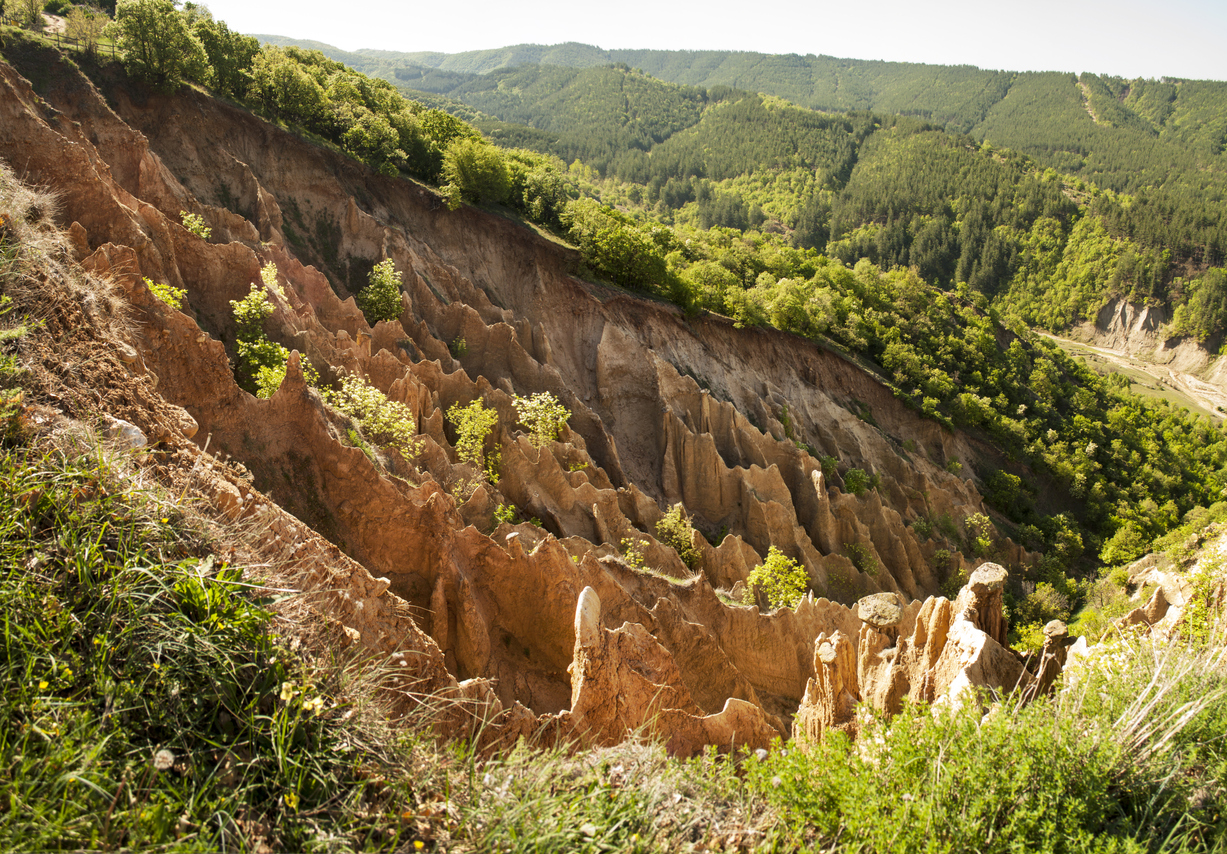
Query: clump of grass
point(626, 798)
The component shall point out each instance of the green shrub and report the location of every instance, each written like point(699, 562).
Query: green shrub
point(544, 417)
point(386, 422)
point(168, 294)
point(781, 579)
point(941, 560)
point(1199, 614)
point(473, 424)
point(1027, 639)
point(861, 557)
point(156, 43)
point(856, 481)
point(268, 275)
point(954, 466)
point(381, 299)
point(475, 172)
point(195, 223)
point(946, 526)
point(675, 531)
point(262, 361)
point(1039, 778)
point(1125, 546)
point(269, 378)
point(1007, 493)
point(255, 351)
point(459, 347)
point(504, 514)
point(956, 581)
point(923, 526)
point(1036, 610)
point(980, 534)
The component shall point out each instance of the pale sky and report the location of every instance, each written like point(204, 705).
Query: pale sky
point(1126, 38)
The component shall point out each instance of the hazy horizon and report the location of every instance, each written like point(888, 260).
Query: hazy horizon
point(1126, 39)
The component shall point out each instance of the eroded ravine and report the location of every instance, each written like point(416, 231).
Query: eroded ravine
point(664, 408)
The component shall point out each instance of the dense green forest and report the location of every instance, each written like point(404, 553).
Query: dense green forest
point(923, 254)
point(944, 169)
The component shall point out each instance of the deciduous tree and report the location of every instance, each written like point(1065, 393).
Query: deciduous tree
point(158, 44)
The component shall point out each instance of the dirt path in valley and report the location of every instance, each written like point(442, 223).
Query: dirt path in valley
point(1210, 397)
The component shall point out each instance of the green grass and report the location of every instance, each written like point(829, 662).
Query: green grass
point(1129, 758)
point(145, 702)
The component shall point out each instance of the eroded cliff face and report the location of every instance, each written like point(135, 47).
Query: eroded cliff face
point(665, 409)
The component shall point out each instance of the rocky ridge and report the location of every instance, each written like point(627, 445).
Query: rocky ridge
point(513, 620)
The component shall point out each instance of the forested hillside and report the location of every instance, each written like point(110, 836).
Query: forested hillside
point(943, 169)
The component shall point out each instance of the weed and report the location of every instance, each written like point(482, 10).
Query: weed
point(632, 552)
point(355, 439)
point(786, 421)
point(459, 347)
point(143, 701)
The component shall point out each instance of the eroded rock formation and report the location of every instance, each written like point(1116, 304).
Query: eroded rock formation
point(663, 410)
point(944, 653)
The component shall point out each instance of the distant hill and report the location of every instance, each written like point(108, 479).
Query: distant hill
point(706, 136)
point(1061, 119)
